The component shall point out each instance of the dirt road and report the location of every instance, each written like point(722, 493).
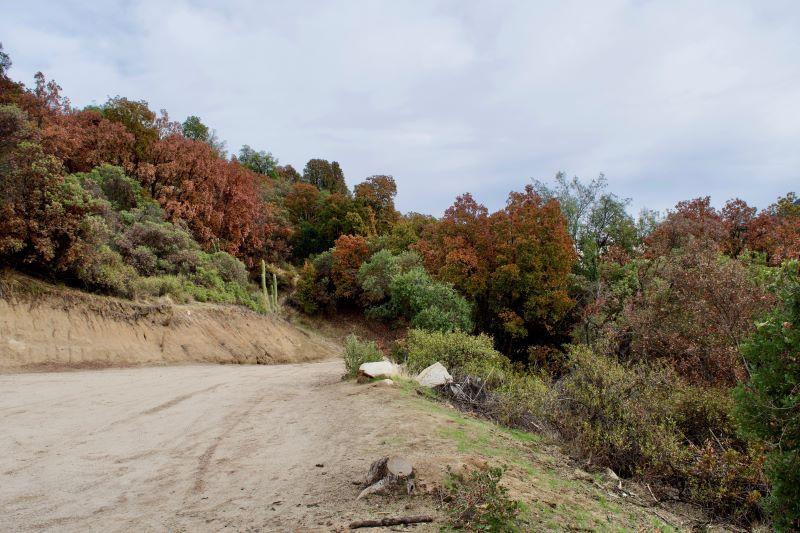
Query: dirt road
point(194, 448)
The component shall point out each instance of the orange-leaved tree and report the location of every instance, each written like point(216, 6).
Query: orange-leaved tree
point(349, 254)
point(514, 264)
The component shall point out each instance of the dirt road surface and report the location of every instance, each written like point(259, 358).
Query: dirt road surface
point(196, 448)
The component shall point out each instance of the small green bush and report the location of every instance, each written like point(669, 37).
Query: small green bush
point(357, 352)
point(304, 295)
point(477, 502)
point(522, 400)
point(228, 267)
point(158, 248)
point(164, 285)
point(455, 350)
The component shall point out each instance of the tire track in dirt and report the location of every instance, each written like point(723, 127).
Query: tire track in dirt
point(161, 407)
point(204, 460)
point(177, 400)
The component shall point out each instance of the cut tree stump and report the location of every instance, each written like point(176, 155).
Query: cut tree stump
point(388, 473)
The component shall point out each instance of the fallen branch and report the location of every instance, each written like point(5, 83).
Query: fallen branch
point(651, 494)
point(399, 521)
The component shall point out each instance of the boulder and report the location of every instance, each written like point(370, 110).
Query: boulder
point(378, 369)
point(434, 375)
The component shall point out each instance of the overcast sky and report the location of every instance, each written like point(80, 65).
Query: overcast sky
point(670, 99)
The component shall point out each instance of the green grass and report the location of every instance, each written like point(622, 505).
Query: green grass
point(577, 504)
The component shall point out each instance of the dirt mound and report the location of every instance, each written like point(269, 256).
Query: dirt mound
point(47, 327)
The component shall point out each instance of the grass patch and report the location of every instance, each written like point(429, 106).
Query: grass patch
point(477, 502)
point(550, 499)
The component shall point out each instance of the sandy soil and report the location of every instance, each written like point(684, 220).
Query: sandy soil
point(44, 327)
point(196, 448)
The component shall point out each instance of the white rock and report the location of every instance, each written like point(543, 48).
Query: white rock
point(434, 375)
point(378, 369)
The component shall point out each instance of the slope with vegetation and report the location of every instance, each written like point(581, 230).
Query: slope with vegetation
point(662, 348)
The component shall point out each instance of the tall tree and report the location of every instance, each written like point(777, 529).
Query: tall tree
point(5, 61)
point(193, 128)
point(691, 220)
point(219, 200)
point(597, 220)
point(514, 264)
point(260, 162)
point(288, 174)
point(378, 193)
point(528, 298)
point(325, 176)
point(138, 119)
point(85, 139)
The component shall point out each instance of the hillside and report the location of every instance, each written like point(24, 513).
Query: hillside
point(44, 327)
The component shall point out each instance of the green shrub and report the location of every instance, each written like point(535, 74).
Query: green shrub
point(305, 295)
point(643, 420)
point(376, 274)
point(104, 270)
point(455, 350)
point(158, 248)
point(618, 415)
point(522, 400)
point(477, 502)
point(427, 304)
point(228, 267)
point(164, 285)
point(357, 352)
point(110, 183)
point(703, 414)
point(315, 292)
point(726, 481)
point(768, 405)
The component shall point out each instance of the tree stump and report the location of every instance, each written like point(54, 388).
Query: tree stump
point(388, 473)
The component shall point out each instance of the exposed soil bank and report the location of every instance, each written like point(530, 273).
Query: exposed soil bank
point(46, 327)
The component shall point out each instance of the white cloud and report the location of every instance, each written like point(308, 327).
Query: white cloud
point(669, 100)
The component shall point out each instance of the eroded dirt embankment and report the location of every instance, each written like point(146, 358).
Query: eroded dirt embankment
point(46, 327)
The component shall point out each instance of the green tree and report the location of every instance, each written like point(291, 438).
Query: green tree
point(427, 304)
point(260, 162)
point(377, 193)
point(596, 220)
point(5, 61)
point(768, 404)
point(325, 176)
point(193, 128)
point(138, 119)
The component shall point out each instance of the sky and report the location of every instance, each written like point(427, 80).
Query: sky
point(669, 99)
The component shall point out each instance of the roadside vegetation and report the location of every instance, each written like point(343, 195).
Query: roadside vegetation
point(663, 347)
